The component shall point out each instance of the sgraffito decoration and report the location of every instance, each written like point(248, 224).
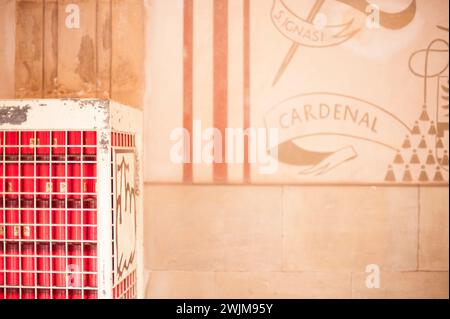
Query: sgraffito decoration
point(305, 32)
point(126, 212)
point(356, 92)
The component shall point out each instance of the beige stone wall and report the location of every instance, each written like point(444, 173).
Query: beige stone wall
point(295, 242)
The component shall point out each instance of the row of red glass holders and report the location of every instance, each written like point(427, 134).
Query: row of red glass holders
point(42, 223)
point(46, 143)
point(37, 223)
point(44, 271)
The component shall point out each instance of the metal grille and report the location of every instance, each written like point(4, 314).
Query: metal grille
point(48, 215)
point(126, 289)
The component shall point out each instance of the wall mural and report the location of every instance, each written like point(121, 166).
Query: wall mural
point(347, 92)
point(311, 34)
point(421, 150)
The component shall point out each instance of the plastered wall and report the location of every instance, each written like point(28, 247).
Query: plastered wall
point(237, 240)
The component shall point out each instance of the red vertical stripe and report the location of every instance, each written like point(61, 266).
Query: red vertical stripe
point(220, 44)
point(188, 45)
point(246, 87)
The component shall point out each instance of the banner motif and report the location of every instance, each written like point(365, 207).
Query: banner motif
point(307, 33)
point(329, 114)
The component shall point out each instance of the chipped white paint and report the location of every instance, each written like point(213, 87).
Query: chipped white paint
point(127, 119)
point(103, 116)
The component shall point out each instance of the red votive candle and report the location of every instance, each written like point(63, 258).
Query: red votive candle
point(12, 264)
point(43, 219)
point(75, 222)
point(59, 265)
point(91, 265)
point(90, 218)
point(28, 294)
point(44, 186)
point(12, 146)
point(74, 180)
point(27, 219)
point(90, 294)
point(58, 145)
point(75, 294)
point(43, 294)
point(59, 220)
point(59, 180)
point(90, 139)
point(12, 219)
point(27, 181)
point(74, 147)
point(43, 265)
point(12, 293)
point(2, 220)
point(12, 180)
point(27, 142)
point(43, 145)
point(2, 265)
point(75, 266)
point(59, 294)
point(28, 264)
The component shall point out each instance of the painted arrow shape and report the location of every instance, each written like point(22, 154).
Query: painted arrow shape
point(312, 15)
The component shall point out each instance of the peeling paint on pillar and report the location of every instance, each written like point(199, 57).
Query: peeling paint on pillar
point(14, 115)
point(86, 58)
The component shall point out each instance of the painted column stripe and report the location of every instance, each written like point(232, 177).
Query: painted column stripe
point(203, 72)
point(247, 177)
point(220, 57)
point(188, 45)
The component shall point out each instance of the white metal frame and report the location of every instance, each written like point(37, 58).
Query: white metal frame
point(104, 116)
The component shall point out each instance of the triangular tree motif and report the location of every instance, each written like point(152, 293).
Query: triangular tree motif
point(419, 149)
point(444, 160)
point(424, 116)
point(430, 159)
point(390, 176)
point(398, 158)
point(423, 143)
point(407, 177)
point(424, 149)
point(432, 130)
point(414, 158)
point(406, 143)
point(416, 129)
point(438, 175)
point(423, 177)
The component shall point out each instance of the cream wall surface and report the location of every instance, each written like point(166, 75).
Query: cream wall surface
point(279, 241)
